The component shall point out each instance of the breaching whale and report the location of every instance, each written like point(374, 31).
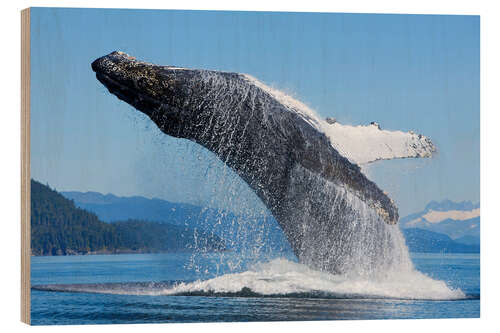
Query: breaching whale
point(301, 167)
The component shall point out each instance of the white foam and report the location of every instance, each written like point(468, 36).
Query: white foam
point(282, 277)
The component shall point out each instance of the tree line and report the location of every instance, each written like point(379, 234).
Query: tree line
point(58, 227)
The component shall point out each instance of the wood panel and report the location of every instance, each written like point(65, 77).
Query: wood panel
point(25, 166)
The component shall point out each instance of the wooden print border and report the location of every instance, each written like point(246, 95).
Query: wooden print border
point(25, 168)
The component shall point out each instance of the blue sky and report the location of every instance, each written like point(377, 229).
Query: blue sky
point(408, 72)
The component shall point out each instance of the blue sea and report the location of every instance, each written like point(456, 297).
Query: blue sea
point(226, 287)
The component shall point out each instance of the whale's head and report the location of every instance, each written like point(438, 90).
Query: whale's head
point(137, 83)
point(161, 92)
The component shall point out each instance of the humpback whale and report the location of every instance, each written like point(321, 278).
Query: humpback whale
point(303, 168)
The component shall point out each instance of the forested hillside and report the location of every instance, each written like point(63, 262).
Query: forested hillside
point(58, 227)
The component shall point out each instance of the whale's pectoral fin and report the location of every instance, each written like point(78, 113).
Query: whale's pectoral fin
point(365, 144)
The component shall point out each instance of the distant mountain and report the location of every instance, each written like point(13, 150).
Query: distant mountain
point(240, 233)
point(111, 208)
point(468, 239)
point(445, 226)
point(458, 220)
point(58, 227)
point(447, 205)
point(420, 240)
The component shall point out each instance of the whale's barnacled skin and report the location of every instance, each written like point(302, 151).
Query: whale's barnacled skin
point(307, 185)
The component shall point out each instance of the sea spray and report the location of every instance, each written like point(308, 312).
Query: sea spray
point(284, 278)
point(236, 215)
point(355, 242)
point(372, 255)
point(333, 216)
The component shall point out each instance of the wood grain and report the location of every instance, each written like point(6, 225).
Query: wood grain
point(25, 167)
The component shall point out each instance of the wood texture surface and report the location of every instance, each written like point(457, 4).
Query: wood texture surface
point(25, 166)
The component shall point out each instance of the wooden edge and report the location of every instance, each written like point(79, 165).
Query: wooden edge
point(25, 168)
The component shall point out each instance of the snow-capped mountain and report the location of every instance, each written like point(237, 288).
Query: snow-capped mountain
point(459, 220)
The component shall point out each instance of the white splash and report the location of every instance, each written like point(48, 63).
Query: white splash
point(283, 277)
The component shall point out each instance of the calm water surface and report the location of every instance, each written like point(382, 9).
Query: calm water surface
point(105, 289)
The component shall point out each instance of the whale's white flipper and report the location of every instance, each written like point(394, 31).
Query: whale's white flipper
point(360, 144)
point(365, 144)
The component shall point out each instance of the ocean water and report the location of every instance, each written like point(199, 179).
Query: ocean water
point(217, 287)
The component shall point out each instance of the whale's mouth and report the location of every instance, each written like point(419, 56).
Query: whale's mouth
point(129, 94)
point(112, 72)
point(118, 89)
